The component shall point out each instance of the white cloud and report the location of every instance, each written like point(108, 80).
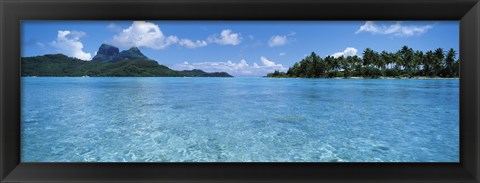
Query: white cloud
point(190, 44)
point(267, 62)
point(227, 37)
point(396, 29)
point(241, 68)
point(68, 43)
point(282, 54)
point(278, 40)
point(149, 35)
point(347, 52)
point(143, 34)
point(369, 26)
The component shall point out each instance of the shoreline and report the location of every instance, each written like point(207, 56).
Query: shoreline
point(426, 78)
point(419, 78)
point(383, 78)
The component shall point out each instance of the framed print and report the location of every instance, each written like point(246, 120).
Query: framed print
point(248, 91)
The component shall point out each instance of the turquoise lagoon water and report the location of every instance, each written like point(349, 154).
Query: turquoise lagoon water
point(239, 120)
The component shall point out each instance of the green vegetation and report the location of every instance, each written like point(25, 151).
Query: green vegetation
point(200, 73)
point(107, 62)
point(61, 65)
point(277, 74)
point(404, 63)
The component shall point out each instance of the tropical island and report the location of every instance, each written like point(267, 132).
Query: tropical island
point(405, 63)
point(108, 62)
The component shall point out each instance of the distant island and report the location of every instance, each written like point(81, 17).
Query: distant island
point(405, 63)
point(108, 62)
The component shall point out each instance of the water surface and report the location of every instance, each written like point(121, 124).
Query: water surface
point(239, 120)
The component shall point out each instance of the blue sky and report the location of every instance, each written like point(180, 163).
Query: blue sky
point(241, 48)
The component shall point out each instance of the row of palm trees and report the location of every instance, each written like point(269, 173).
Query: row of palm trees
point(405, 62)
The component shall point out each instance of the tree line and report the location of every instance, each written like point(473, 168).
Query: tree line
point(405, 62)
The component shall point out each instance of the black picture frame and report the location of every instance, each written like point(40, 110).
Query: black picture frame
point(12, 12)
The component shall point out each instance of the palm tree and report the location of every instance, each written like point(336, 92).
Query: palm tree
point(344, 64)
point(329, 64)
point(310, 69)
point(417, 61)
point(318, 65)
point(302, 69)
point(293, 71)
point(368, 57)
point(407, 59)
point(386, 59)
point(428, 62)
point(378, 61)
point(449, 61)
point(438, 61)
point(456, 69)
point(356, 63)
point(373, 64)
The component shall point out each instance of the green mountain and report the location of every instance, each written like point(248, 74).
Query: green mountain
point(108, 53)
point(108, 62)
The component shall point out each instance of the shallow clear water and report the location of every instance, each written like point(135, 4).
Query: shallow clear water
point(239, 120)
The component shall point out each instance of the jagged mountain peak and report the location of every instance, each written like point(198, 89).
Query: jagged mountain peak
point(134, 49)
point(108, 50)
point(109, 53)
